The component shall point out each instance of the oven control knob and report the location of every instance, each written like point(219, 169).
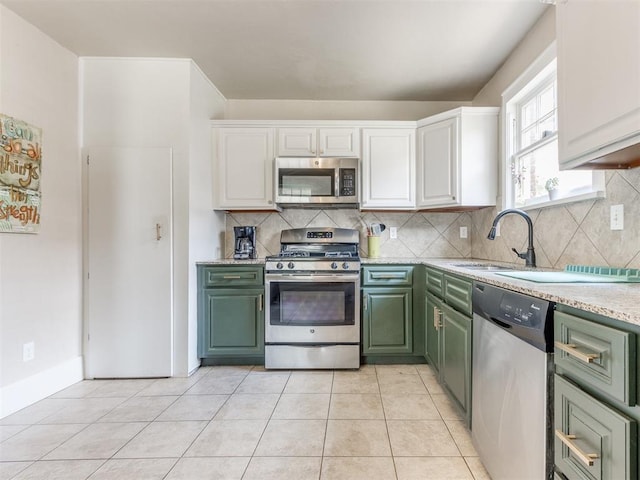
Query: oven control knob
point(279, 265)
point(334, 265)
point(291, 265)
point(345, 265)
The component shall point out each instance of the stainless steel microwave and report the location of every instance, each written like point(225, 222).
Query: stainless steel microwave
point(317, 181)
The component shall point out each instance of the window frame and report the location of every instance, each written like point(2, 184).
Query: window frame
point(538, 73)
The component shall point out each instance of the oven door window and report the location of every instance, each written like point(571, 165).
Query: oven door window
point(313, 182)
point(309, 304)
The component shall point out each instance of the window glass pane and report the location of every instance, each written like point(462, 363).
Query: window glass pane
point(547, 126)
point(529, 136)
point(528, 113)
point(547, 100)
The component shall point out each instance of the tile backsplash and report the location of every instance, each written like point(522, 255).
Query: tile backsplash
point(575, 233)
point(419, 234)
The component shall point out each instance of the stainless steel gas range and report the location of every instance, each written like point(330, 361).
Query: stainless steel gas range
point(313, 300)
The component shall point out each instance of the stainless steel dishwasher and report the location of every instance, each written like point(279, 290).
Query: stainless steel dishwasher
point(512, 383)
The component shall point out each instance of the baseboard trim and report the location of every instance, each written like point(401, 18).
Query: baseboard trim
point(25, 392)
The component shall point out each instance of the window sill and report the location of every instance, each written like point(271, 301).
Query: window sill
point(564, 200)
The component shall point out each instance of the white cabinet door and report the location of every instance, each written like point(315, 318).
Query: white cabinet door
point(244, 168)
point(457, 160)
point(438, 164)
point(598, 79)
point(388, 168)
point(297, 142)
point(318, 142)
point(339, 142)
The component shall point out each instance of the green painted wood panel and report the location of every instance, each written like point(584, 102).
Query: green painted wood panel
point(232, 276)
point(435, 279)
point(387, 320)
point(233, 322)
point(613, 371)
point(598, 429)
point(455, 357)
point(432, 331)
point(387, 275)
point(457, 293)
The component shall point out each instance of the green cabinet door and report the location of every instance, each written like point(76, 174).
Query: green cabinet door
point(455, 357)
point(387, 320)
point(233, 322)
point(433, 319)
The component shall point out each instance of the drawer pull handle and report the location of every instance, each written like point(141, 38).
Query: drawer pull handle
point(261, 302)
point(387, 276)
point(587, 458)
point(232, 277)
point(437, 318)
point(572, 350)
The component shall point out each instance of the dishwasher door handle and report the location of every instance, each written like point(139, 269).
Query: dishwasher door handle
point(500, 323)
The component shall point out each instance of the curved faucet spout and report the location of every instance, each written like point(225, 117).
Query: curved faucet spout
point(530, 255)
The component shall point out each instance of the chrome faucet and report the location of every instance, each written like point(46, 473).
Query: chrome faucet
point(530, 256)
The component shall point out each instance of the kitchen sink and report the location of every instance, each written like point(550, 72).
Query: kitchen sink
point(487, 267)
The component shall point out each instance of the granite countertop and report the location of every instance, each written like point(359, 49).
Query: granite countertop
point(614, 300)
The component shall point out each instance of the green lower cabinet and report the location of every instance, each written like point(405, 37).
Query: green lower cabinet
point(455, 357)
point(592, 440)
point(433, 306)
point(387, 322)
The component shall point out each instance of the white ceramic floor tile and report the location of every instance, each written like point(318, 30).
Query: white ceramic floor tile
point(477, 469)
point(281, 468)
point(357, 468)
point(98, 440)
point(302, 406)
point(8, 431)
point(83, 410)
point(135, 468)
point(357, 438)
point(193, 407)
point(228, 438)
point(120, 388)
point(169, 386)
point(409, 407)
point(220, 468)
point(11, 469)
point(36, 412)
point(421, 438)
point(432, 468)
point(244, 406)
point(162, 439)
point(401, 384)
point(139, 409)
point(292, 438)
point(309, 382)
point(354, 382)
point(36, 441)
point(445, 407)
point(356, 406)
point(60, 470)
point(78, 390)
point(263, 383)
point(462, 437)
point(396, 370)
point(216, 385)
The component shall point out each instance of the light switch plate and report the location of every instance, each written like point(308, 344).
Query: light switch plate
point(28, 351)
point(393, 232)
point(463, 232)
point(617, 217)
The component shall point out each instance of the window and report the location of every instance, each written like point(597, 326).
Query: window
point(532, 177)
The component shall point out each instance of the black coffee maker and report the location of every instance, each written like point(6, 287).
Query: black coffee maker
point(245, 243)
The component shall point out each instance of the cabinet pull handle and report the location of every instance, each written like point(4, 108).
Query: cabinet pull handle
point(232, 277)
point(158, 235)
point(587, 458)
point(364, 302)
point(387, 276)
point(261, 302)
point(572, 349)
point(437, 318)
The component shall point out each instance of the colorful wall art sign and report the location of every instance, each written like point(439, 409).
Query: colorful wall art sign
point(20, 175)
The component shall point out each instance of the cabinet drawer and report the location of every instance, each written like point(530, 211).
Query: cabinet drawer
point(596, 355)
point(232, 276)
point(384, 276)
point(592, 441)
point(457, 293)
point(435, 279)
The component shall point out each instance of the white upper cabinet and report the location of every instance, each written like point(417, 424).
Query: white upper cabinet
point(457, 161)
point(388, 168)
point(243, 168)
point(598, 46)
point(318, 142)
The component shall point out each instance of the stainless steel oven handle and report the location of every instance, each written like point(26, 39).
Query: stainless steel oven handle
point(296, 277)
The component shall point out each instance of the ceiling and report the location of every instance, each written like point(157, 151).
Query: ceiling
point(423, 50)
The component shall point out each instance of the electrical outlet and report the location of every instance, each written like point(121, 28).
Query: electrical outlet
point(617, 217)
point(28, 352)
point(463, 232)
point(393, 232)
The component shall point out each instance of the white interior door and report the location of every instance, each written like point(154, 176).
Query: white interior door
point(129, 281)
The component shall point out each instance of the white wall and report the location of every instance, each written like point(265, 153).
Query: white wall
point(334, 110)
point(206, 226)
point(41, 274)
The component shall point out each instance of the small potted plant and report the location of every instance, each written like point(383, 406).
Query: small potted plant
point(551, 185)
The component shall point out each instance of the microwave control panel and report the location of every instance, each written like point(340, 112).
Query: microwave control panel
point(347, 182)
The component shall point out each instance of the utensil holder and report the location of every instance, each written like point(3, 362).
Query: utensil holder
point(373, 245)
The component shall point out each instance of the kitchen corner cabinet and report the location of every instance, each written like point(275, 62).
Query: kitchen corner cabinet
point(318, 142)
point(595, 396)
point(387, 310)
point(243, 168)
point(457, 158)
point(231, 312)
point(388, 168)
point(448, 332)
point(598, 51)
